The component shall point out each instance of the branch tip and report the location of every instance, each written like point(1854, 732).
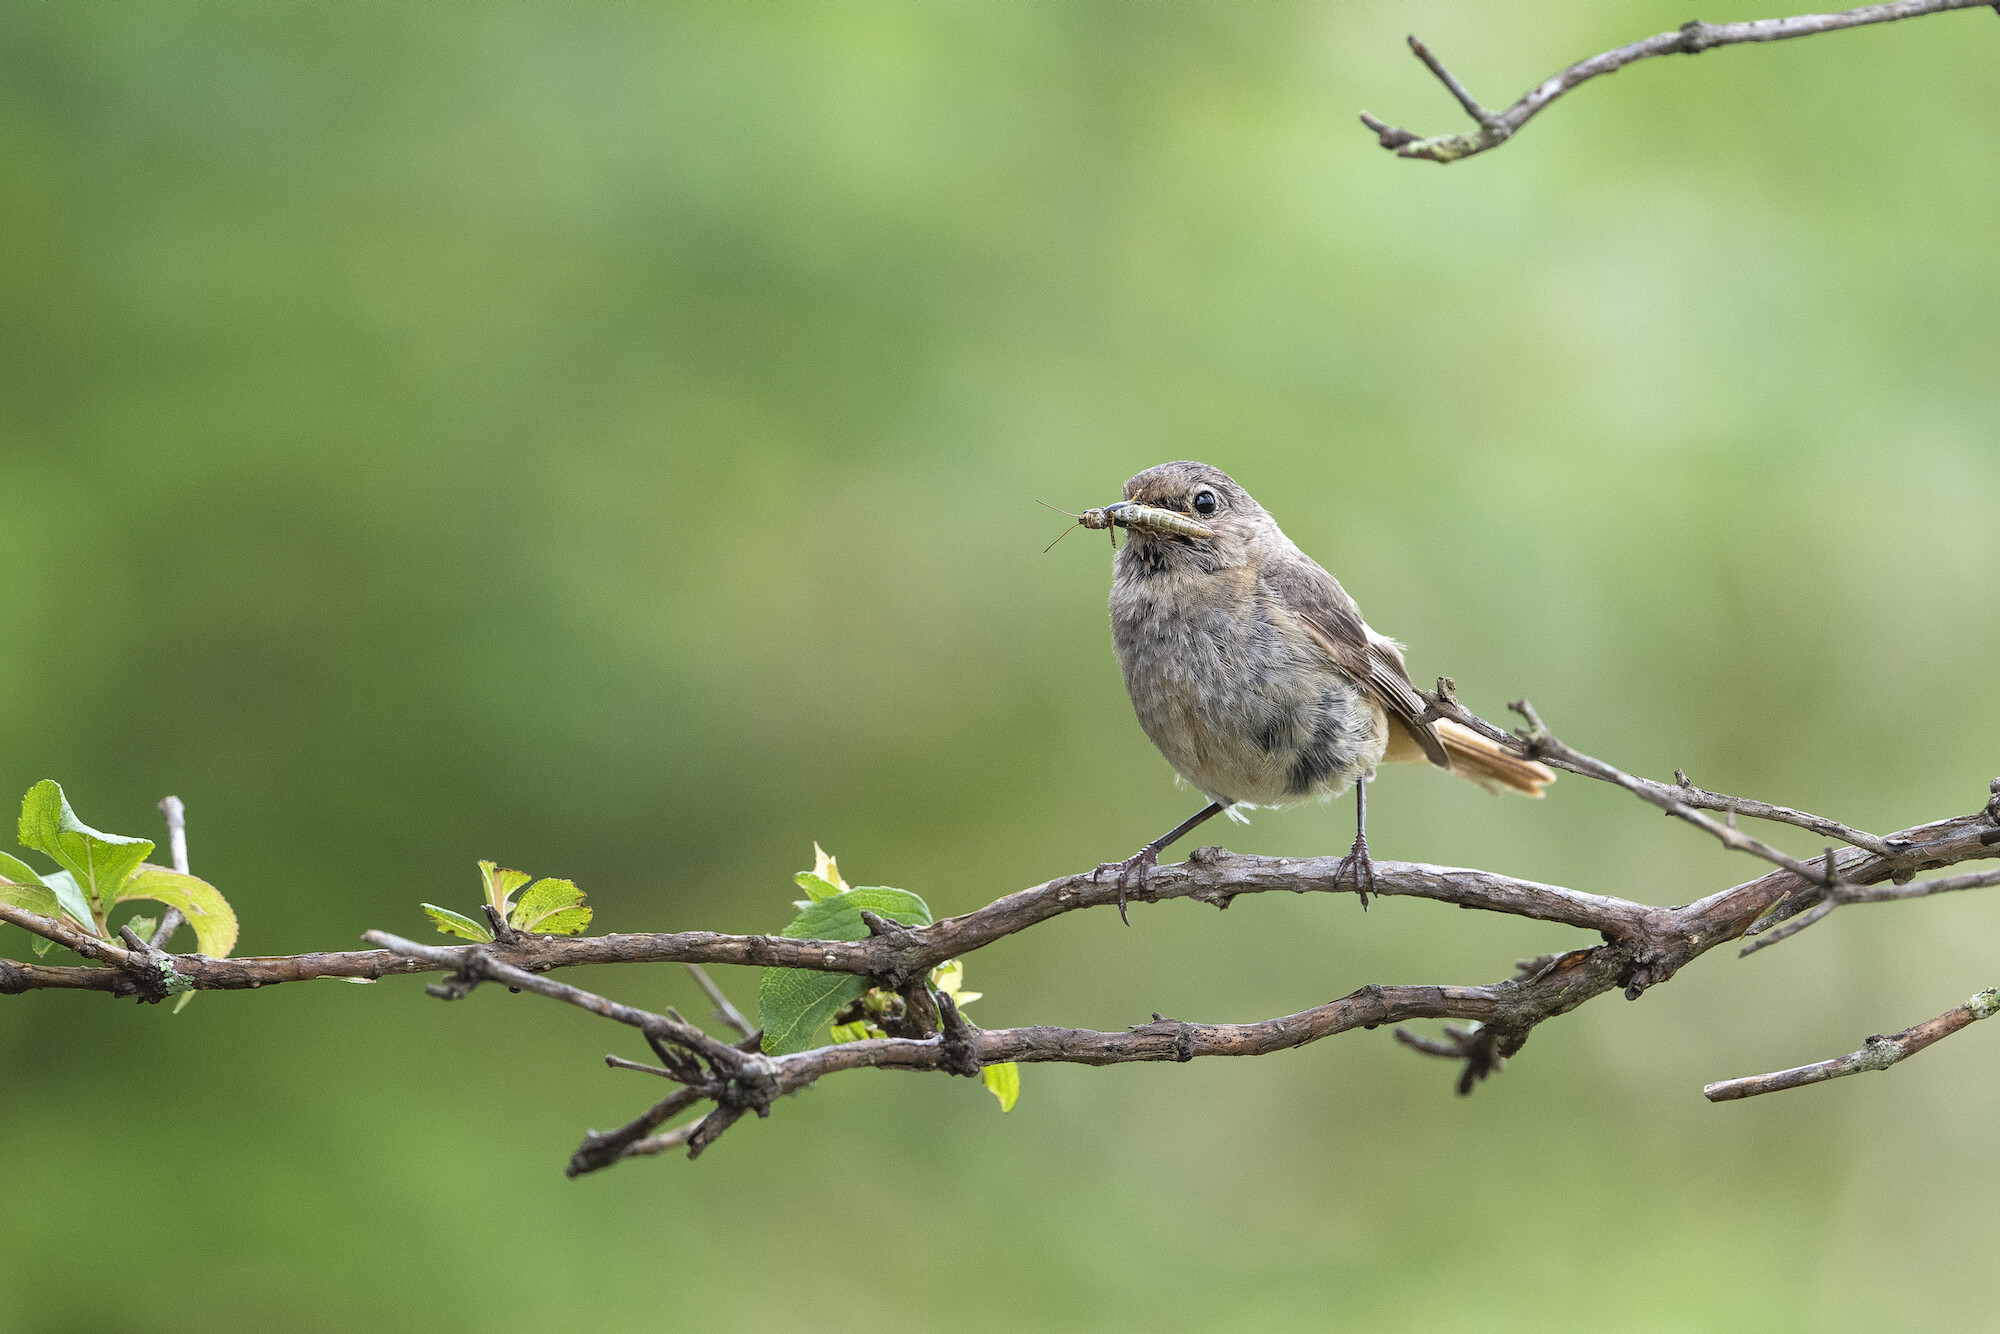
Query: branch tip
point(1691, 38)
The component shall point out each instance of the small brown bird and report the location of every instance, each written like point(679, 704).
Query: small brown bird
point(1252, 670)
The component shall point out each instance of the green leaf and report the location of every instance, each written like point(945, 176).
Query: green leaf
point(213, 920)
point(501, 883)
point(838, 917)
point(817, 887)
point(553, 908)
point(457, 924)
point(853, 1032)
point(18, 871)
point(1004, 1081)
point(63, 885)
point(568, 922)
point(144, 927)
point(794, 1002)
point(27, 890)
point(100, 862)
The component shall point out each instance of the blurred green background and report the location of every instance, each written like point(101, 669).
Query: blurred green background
point(605, 438)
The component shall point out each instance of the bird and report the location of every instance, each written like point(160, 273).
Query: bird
point(1252, 670)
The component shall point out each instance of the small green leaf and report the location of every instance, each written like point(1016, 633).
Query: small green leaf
point(568, 922)
point(213, 920)
point(1004, 1081)
point(42, 945)
point(501, 883)
point(100, 862)
point(551, 907)
point(827, 869)
point(18, 871)
point(144, 927)
point(839, 917)
point(26, 890)
point(794, 1002)
point(853, 1032)
point(949, 977)
point(63, 885)
point(817, 887)
point(457, 924)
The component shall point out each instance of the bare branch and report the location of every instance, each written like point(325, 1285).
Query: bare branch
point(1496, 128)
point(724, 1011)
point(1458, 90)
point(1473, 1045)
point(472, 964)
point(50, 928)
point(1761, 810)
point(1211, 875)
point(1771, 929)
point(1878, 1053)
point(1638, 946)
point(1920, 889)
point(177, 842)
point(1536, 742)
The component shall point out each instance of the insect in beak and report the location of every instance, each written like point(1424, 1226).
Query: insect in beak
point(1130, 514)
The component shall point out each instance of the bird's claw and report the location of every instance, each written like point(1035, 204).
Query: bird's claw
point(1131, 875)
point(1358, 861)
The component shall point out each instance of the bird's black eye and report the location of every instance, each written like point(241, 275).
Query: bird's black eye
point(1205, 502)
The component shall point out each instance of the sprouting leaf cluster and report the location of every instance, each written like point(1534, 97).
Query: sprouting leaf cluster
point(795, 1003)
point(97, 872)
point(549, 907)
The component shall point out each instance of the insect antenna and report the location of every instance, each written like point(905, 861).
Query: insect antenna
point(1065, 532)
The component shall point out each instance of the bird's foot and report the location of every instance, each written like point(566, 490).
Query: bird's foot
point(1357, 860)
point(1131, 875)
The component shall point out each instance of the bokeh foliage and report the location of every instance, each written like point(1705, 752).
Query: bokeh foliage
point(602, 438)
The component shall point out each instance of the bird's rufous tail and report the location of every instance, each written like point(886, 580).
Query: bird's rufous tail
point(1489, 764)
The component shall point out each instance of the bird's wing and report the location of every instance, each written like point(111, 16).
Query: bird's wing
point(1364, 657)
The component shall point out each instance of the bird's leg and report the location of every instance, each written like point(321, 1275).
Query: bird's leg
point(1357, 856)
point(1132, 871)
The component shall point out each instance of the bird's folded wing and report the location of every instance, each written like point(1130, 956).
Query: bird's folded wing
point(1369, 660)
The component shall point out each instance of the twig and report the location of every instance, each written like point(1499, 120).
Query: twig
point(660, 1143)
point(50, 928)
point(473, 963)
point(1771, 929)
point(1920, 889)
point(176, 813)
point(602, 1150)
point(1537, 742)
point(1496, 128)
point(1878, 1053)
point(138, 971)
point(1473, 1045)
point(724, 1011)
point(1791, 927)
point(1762, 810)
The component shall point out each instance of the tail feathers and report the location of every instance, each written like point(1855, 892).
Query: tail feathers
point(1491, 765)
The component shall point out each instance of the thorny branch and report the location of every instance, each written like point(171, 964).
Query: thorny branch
point(1640, 947)
point(1497, 127)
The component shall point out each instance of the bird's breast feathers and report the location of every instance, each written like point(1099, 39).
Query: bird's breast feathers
point(1235, 693)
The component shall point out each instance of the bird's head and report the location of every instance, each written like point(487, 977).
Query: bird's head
point(1207, 499)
